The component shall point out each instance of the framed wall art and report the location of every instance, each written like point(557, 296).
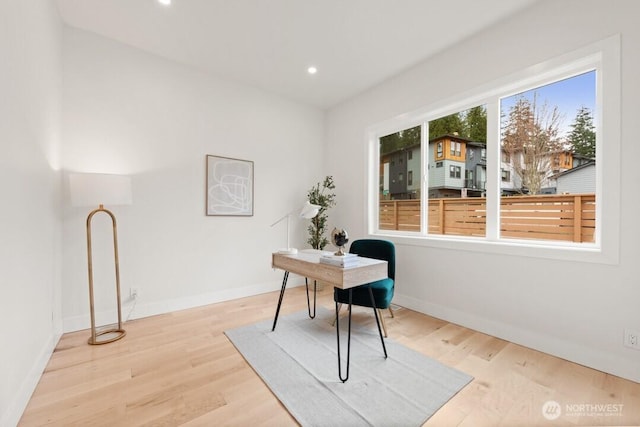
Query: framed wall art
point(229, 186)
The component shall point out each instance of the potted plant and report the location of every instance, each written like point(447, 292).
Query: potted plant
point(321, 194)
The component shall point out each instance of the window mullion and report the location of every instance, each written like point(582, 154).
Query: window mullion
point(424, 187)
point(493, 178)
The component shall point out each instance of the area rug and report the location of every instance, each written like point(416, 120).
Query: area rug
point(298, 362)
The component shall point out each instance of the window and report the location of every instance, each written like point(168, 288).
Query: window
point(463, 132)
point(469, 182)
point(535, 132)
point(455, 149)
point(545, 194)
point(399, 198)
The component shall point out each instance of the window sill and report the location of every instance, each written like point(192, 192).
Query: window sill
point(585, 252)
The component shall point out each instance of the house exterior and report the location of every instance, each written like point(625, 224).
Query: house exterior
point(393, 169)
point(551, 166)
point(579, 180)
point(447, 166)
point(399, 174)
point(414, 168)
point(454, 163)
point(475, 175)
point(457, 167)
point(510, 181)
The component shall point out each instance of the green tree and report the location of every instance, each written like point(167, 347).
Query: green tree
point(398, 140)
point(446, 125)
point(583, 136)
point(321, 194)
point(475, 124)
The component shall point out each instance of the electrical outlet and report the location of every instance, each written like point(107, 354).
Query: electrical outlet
point(632, 339)
point(133, 293)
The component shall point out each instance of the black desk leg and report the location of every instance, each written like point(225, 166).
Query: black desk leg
point(284, 285)
point(375, 312)
point(315, 287)
point(335, 290)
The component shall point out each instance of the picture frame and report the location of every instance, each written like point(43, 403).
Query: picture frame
point(229, 186)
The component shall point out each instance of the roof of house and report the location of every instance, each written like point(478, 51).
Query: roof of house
point(451, 136)
point(577, 168)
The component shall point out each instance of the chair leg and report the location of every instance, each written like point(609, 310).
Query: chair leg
point(337, 312)
point(384, 325)
point(391, 313)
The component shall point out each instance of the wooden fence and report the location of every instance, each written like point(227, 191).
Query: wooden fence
point(548, 217)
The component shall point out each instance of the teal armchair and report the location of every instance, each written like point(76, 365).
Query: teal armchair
point(382, 289)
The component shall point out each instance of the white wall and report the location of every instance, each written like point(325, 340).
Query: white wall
point(575, 310)
point(129, 112)
point(30, 223)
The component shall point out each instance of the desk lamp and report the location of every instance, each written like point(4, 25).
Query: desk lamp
point(307, 211)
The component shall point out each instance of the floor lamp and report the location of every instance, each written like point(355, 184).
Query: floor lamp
point(307, 211)
point(89, 189)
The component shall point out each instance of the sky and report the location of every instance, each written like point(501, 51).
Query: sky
point(569, 95)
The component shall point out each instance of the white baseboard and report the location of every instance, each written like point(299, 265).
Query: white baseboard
point(564, 349)
point(22, 396)
point(143, 308)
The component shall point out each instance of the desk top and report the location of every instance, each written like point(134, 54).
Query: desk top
point(307, 263)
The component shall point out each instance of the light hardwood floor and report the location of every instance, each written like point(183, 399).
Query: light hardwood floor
point(180, 369)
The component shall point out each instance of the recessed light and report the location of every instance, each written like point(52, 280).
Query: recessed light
point(312, 70)
point(165, 2)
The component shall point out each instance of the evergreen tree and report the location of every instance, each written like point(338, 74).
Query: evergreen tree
point(398, 140)
point(446, 125)
point(583, 136)
point(390, 143)
point(475, 124)
point(470, 124)
point(411, 136)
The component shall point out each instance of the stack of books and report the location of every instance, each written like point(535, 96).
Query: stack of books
point(346, 260)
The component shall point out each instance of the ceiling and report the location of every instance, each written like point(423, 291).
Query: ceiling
point(269, 44)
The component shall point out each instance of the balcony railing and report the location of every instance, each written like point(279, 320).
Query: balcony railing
point(543, 217)
point(473, 184)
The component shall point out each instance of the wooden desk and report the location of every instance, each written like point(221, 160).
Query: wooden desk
point(307, 263)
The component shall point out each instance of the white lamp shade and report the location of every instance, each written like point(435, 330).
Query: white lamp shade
point(309, 210)
point(94, 189)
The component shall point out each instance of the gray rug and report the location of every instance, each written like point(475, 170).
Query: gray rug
point(298, 361)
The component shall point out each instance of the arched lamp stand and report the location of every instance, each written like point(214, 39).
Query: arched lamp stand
point(111, 334)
